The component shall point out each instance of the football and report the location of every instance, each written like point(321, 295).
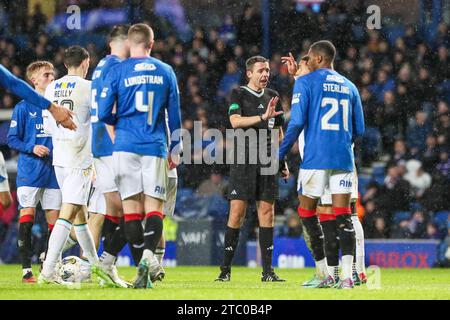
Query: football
point(73, 269)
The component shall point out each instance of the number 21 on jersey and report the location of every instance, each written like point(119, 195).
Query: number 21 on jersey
point(334, 103)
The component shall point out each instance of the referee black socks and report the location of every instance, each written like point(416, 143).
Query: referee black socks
point(266, 245)
point(230, 243)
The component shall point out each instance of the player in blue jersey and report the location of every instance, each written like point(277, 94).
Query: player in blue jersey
point(106, 199)
point(143, 88)
point(36, 180)
point(328, 108)
point(23, 90)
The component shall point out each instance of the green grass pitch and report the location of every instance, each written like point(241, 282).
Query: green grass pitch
point(193, 283)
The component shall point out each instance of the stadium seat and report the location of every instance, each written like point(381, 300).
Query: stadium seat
point(218, 206)
point(363, 181)
point(379, 174)
point(196, 207)
point(184, 193)
point(441, 218)
point(401, 215)
point(392, 33)
point(371, 141)
point(285, 188)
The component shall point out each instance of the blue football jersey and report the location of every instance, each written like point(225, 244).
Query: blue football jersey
point(21, 88)
point(327, 106)
point(144, 88)
point(102, 145)
point(26, 131)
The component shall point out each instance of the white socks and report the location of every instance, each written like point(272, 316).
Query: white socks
point(359, 235)
point(347, 262)
point(70, 243)
point(322, 268)
point(159, 253)
point(107, 259)
point(84, 237)
point(58, 238)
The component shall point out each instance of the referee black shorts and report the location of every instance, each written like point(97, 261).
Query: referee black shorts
point(247, 183)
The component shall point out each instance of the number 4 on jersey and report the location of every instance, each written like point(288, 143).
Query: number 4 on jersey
point(142, 107)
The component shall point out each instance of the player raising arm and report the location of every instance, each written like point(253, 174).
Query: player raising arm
point(328, 107)
point(23, 90)
point(142, 88)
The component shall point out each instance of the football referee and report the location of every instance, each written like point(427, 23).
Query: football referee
point(253, 107)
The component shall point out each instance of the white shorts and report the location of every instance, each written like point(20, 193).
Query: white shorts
point(75, 184)
point(169, 205)
point(104, 169)
point(137, 173)
point(4, 185)
point(97, 202)
point(29, 197)
point(313, 183)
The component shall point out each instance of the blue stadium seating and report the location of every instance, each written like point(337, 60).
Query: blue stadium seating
point(363, 181)
point(371, 141)
point(184, 193)
point(401, 215)
point(441, 219)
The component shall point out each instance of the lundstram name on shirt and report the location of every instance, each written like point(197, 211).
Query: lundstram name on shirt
point(235, 146)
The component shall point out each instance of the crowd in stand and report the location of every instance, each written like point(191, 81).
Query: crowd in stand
point(404, 85)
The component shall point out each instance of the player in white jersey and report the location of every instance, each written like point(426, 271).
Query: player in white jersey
point(72, 160)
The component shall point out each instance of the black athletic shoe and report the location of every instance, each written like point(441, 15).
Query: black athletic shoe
point(271, 277)
point(224, 276)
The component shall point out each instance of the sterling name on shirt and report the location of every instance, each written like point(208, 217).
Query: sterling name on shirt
point(332, 87)
point(144, 79)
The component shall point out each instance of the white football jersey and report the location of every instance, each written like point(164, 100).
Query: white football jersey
point(71, 149)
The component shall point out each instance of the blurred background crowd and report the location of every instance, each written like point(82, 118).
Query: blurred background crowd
point(401, 70)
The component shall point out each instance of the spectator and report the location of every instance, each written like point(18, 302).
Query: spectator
point(229, 81)
point(400, 151)
point(444, 164)
point(394, 194)
point(431, 155)
point(432, 232)
point(417, 225)
point(227, 32)
point(249, 30)
point(215, 185)
point(419, 180)
point(382, 85)
point(418, 133)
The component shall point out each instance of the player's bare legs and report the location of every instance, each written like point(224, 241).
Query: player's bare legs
point(346, 234)
point(266, 212)
point(310, 221)
point(236, 218)
point(95, 224)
